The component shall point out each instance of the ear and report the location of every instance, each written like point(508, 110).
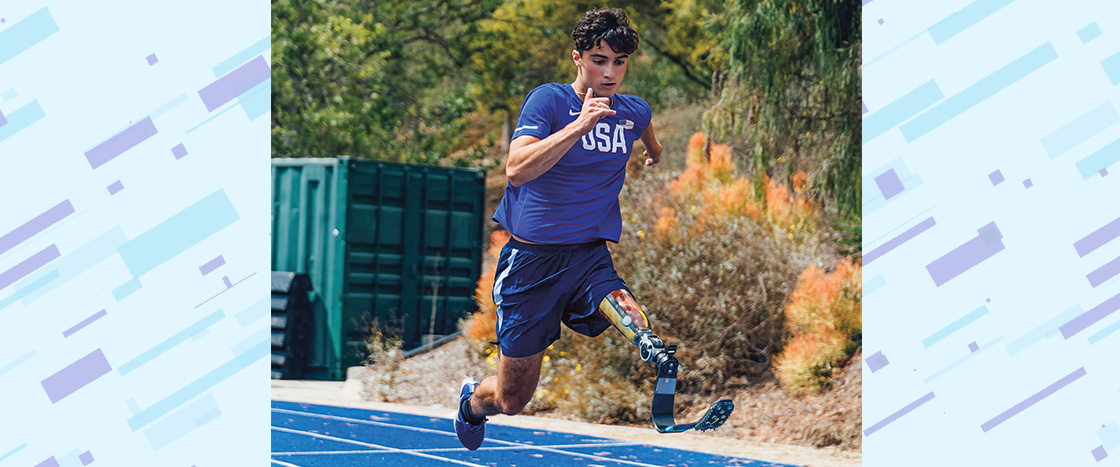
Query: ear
point(575, 57)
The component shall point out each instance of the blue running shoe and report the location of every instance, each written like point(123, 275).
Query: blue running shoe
point(470, 435)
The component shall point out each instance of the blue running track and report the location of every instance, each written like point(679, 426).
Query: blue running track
point(307, 435)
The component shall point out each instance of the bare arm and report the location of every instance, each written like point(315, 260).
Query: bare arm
point(529, 156)
point(653, 146)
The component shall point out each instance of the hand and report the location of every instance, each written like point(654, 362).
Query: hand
point(594, 108)
point(653, 158)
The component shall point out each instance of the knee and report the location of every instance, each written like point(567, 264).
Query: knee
point(513, 404)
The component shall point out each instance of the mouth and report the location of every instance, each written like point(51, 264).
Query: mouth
point(610, 85)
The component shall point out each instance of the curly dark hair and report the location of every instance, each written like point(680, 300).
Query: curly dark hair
point(609, 25)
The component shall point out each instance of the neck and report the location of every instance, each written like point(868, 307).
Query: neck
point(581, 89)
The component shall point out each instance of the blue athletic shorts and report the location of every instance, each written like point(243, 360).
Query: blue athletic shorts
point(539, 286)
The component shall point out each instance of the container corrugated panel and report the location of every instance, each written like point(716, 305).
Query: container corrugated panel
point(415, 246)
point(399, 243)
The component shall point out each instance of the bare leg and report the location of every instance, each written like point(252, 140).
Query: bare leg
point(511, 389)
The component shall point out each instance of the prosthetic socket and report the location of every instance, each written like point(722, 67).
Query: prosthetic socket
point(623, 311)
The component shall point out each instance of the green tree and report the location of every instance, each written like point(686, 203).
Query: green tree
point(372, 79)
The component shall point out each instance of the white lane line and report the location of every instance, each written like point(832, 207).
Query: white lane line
point(285, 464)
point(448, 433)
point(371, 445)
point(503, 448)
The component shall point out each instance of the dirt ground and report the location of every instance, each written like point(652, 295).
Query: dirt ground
point(763, 413)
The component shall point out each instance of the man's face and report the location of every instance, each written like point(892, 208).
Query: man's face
point(601, 68)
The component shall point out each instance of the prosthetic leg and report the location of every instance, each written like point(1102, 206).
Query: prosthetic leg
point(623, 311)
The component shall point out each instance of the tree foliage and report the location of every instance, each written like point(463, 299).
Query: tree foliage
point(415, 80)
point(384, 80)
point(793, 91)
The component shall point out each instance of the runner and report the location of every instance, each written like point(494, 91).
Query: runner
point(566, 166)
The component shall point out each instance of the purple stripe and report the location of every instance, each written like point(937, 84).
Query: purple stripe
point(1099, 237)
point(50, 462)
point(1051, 389)
point(76, 376)
point(36, 225)
point(28, 266)
point(1103, 273)
point(115, 187)
point(121, 142)
point(895, 416)
point(865, 2)
point(895, 242)
point(234, 83)
point(1090, 317)
point(2, 119)
point(84, 323)
point(212, 265)
point(226, 280)
point(962, 258)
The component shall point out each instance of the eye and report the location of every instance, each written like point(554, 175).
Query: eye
point(620, 62)
point(599, 62)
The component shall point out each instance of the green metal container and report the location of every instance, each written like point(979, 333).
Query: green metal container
point(396, 242)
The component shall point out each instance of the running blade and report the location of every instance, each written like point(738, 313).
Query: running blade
point(716, 415)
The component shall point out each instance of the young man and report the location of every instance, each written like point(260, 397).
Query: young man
point(566, 167)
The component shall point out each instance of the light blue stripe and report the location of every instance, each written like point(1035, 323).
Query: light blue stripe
point(9, 94)
point(168, 106)
point(243, 56)
point(964, 18)
point(25, 33)
point(180, 422)
point(20, 119)
point(1080, 129)
point(171, 342)
point(254, 312)
point(902, 109)
point(983, 89)
point(892, 49)
point(1112, 68)
point(25, 357)
point(127, 289)
point(962, 360)
point(874, 284)
point(955, 326)
point(1093, 339)
point(1089, 32)
point(83, 259)
point(199, 385)
point(1109, 435)
point(246, 344)
point(256, 103)
point(29, 288)
point(1049, 328)
point(178, 233)
point(211, 118)
point(13, 451)
point(1104, 157)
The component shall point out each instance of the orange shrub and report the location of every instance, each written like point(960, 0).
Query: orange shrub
point(825, 316)
point(480, 325)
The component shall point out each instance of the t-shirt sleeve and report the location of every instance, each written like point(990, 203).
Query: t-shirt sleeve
point(536, 117)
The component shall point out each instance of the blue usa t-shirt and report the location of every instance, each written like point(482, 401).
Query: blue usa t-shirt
point(576, 201)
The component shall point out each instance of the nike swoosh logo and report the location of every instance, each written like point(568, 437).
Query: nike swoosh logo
point(571, 112)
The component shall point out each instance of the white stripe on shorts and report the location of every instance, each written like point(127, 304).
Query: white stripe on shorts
point(497, 292)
